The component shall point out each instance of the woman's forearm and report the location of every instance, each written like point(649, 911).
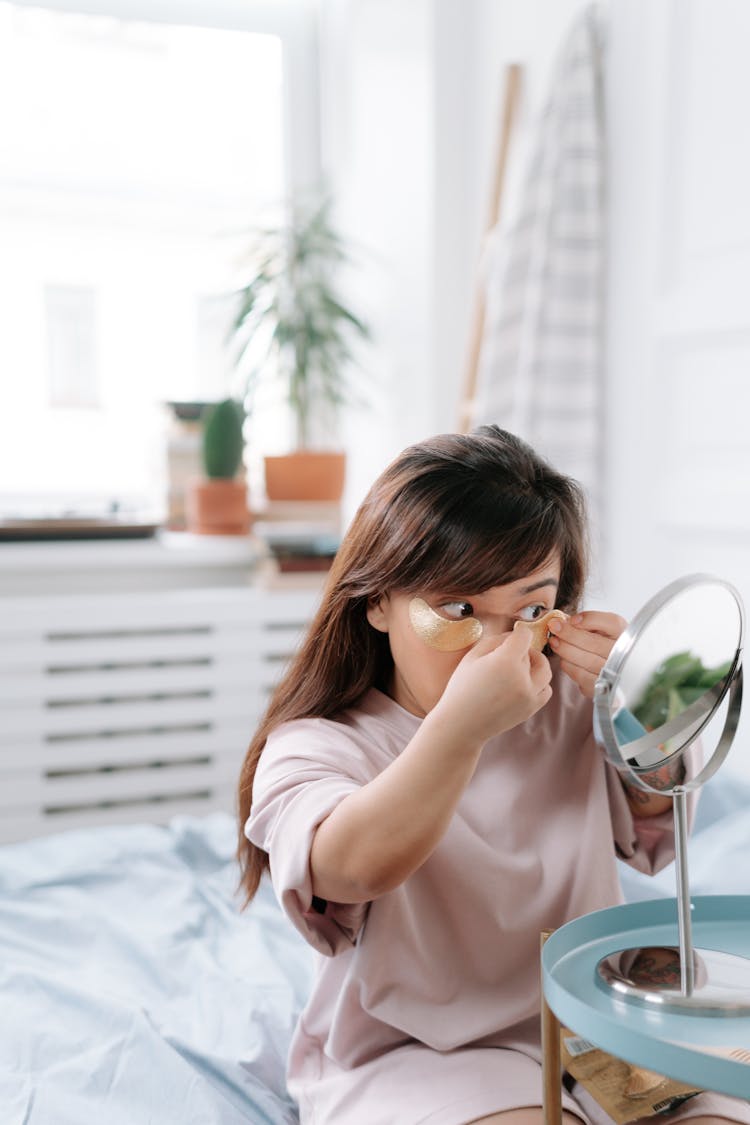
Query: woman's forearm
point(375, 838)
point(643, 803)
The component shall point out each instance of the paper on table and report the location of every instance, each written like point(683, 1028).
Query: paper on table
point(625, 1092)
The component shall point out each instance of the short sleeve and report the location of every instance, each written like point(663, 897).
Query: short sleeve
point(301, 778)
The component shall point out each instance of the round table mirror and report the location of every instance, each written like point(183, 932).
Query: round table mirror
point(666, 708)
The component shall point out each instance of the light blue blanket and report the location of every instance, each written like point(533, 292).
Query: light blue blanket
point(134, 991)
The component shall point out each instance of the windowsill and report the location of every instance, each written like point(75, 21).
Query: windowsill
point(169, 562)
point(113, 565)
point(166, 549)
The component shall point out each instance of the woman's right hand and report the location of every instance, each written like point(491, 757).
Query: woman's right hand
point(499, 683)
point(380, 834)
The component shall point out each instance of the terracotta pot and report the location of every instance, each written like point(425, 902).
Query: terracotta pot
point(217, 507)
point(306, 475)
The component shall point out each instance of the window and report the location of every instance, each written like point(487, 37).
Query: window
point(142, 146)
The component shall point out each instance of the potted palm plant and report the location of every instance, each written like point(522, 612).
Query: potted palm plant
point(216, 503)
point(294, 329)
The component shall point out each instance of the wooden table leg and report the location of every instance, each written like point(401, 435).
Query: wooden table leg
point(551, 1062)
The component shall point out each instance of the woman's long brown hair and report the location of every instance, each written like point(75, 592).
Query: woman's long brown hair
point(463, 512)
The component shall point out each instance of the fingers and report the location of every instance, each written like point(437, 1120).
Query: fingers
point(514, 654)
point(488, 644)
point(596, 621)
point(585, 680)
point(541, 670)
point(515, 645)
point(498, 683)
point(592, 633)
point(518, 645)
point(586, 651)
point(583, 643)
point(544, 696)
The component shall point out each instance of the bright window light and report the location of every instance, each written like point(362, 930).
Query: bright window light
point(134, 159)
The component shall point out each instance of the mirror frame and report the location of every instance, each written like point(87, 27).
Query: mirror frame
point(609, 678)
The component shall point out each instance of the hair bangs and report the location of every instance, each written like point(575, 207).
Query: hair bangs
point(472, 549)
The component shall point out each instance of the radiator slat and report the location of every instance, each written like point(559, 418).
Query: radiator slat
point(35, 652)
point(134, 706)
point(120, 683)
point(85, 614)
point(24, 822)
point(60, 723)
point(219, 738)
point(147, 782)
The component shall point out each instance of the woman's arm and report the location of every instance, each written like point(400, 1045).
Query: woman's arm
point(375, 838)
point(643, 803)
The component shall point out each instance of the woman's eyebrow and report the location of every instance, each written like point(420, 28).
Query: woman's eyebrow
point(539, 585)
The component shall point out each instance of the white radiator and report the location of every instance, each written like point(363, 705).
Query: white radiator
point(133, 707)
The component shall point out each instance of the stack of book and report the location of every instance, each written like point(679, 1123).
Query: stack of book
point(184, 457)
point(302, 535)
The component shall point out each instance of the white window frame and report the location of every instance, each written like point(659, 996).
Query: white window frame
point(293, 21)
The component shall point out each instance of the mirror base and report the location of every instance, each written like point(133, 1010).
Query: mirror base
point(652, 976)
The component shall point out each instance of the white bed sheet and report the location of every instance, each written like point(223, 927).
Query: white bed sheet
point(135, 992)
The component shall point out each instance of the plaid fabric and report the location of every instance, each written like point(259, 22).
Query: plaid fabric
point(541, 363)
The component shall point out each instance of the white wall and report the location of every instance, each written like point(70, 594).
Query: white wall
point(378, 152)
point(679, 320)
point(411, 102)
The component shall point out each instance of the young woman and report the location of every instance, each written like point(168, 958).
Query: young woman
point(429, 794)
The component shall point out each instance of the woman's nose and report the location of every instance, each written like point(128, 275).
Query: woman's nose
point(498, 630)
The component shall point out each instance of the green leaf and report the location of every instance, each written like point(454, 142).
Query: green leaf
point(290, 311)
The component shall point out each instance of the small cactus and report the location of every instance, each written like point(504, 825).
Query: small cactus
point(222, 440)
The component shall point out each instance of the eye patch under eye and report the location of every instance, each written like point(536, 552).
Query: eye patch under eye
point(438, 632)
point(540, 627)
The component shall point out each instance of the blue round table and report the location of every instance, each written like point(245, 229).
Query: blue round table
point(674, 1043)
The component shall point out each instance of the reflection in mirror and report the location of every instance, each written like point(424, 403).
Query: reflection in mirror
point(652, 975)
point(657, 966)
point(681, 680)
point(666, 707)
point(670, 683)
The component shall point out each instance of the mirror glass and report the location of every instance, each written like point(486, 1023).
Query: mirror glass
point(667, 681)
point(652, 976)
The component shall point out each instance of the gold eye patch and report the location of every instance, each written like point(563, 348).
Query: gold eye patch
point(540, 627)
point(440, 633)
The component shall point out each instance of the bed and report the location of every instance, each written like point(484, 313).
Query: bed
point(134, 990)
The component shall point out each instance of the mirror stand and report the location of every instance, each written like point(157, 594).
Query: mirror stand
point(684, 920)
point(705, 981)
point(702, 981)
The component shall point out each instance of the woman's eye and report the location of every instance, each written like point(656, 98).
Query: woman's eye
point(531, 612)
point(455, 611)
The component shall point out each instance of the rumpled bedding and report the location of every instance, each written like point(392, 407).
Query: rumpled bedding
point(133, 990)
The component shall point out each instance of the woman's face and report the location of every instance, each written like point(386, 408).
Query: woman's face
point(420, 670)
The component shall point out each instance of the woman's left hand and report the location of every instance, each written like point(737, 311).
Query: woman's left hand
point(583, 643)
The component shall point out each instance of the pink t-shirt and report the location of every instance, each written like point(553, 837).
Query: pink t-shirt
point(451, 957)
